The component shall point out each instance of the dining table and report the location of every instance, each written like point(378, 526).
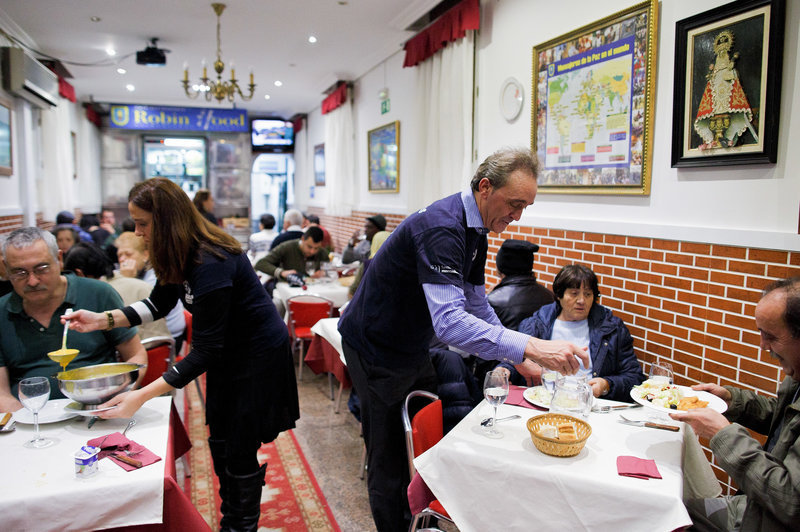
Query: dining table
point(41, 491)
point(332, 289)
point(508, 484)
point(325, 355)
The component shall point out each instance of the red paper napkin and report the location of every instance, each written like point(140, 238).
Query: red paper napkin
point(515, 398)
point(630, 466)
point(116, 442)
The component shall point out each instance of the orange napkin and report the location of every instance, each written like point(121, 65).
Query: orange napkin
point(116, 442)
point(630, 466)
point(515, 398)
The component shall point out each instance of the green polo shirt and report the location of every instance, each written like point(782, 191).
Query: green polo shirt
point(24, 342)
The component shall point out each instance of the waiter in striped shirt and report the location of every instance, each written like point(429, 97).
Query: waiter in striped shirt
point(428, 278)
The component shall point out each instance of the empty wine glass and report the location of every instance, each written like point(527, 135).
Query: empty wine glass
point(661, 371)
point(495, 390)
point(33, 394)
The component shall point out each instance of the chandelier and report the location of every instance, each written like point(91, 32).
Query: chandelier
point(220, 89)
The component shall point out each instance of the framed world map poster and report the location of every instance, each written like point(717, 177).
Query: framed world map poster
point(592, 112)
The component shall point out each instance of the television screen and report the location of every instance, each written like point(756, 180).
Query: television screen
point(271, 134)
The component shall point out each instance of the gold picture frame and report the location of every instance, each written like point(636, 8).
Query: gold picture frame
point(593, 105)
point(383, 149)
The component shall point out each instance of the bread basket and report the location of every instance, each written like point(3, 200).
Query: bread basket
point(554, 446)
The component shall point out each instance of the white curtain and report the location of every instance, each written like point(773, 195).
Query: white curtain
point(55, 188)
point(303, 176)
point(444, 86)
point(340, 179)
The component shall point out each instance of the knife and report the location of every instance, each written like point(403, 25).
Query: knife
point(650, 424)
point(6, 419)
point(128, 460)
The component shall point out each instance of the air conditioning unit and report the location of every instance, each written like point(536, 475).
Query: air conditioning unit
point(28, 78)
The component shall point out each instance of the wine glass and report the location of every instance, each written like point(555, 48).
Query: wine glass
point(495, 390)
point(33, 394)
point(661, 371)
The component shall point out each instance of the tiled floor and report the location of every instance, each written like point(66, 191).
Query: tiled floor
point(332, 445)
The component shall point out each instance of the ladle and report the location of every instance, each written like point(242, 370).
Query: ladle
point(66, 328)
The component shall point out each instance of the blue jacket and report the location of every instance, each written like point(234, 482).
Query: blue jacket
point(611, 347)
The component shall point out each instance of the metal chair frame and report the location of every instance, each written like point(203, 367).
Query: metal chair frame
point(423, 518)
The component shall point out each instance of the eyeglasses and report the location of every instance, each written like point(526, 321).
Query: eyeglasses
point(22, 275)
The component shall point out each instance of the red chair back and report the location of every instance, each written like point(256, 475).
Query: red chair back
point(426, 427)
point(157, 362)
point(304, 311)
point(187, 343)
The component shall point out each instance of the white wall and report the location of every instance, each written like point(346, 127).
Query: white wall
point(755, 205)
point(751, 205)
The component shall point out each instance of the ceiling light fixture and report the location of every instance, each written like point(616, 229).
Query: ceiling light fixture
point(121, 70)
point(312, 39)
point(278, 83)
point(130, 87)
point(219, 90)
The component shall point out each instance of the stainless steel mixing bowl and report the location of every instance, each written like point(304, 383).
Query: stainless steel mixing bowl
point(93, 385)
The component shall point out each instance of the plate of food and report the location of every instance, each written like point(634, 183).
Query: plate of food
point(666, 397)
point(52, 412)
point(538, 396)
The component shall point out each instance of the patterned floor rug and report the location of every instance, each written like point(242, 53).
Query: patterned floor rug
point(291, 500)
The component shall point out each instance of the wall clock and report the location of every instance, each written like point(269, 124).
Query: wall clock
point(512, 96)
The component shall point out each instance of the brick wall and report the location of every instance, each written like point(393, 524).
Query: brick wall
point(692, 304)
point(9, 223)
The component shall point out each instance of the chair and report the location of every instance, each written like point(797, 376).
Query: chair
point(303, 312)
point(422, 432)
point(160, 356)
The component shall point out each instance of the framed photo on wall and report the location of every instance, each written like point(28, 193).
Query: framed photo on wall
point(5, 139)
point(319, 165)
point(728, 64)
point(383, 147)
point(592, 112)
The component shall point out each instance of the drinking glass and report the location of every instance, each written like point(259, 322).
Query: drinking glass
point(33, 394)
point(661, 371)
point(495, 390)
point(549, 379)
point(310, 268)
point(573, 396)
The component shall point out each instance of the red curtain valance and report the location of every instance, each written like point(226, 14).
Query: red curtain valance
point(66, 90)
point(92, 116)
point(451, 26)
point(337, 98)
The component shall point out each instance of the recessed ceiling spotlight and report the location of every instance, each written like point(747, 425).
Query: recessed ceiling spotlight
point(121, 70)
point(312, 39)
point(95, 19)
point(278, 83)
point(111, 52)
point(266, 96)
point(130, 87)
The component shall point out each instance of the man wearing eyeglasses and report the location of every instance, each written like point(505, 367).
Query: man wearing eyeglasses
point(30, 324)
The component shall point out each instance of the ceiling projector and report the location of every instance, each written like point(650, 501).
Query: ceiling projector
point(152, 55)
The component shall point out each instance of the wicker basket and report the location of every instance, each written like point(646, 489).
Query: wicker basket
point(553, 446)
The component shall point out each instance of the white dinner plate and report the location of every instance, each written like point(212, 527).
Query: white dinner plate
point(714, 402)
point(77, 409)
point(52, 412)
point(537, 396)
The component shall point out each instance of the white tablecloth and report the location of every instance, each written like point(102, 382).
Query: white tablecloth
point(328, 329)
point(40, 492)
point(329, 290)
point(507, 484)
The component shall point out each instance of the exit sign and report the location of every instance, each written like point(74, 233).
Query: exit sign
point(385, 107)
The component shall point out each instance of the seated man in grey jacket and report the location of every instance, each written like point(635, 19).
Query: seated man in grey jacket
point(768, 477)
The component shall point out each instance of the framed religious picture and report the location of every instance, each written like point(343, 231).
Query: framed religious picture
point(728, 64)
point(592, 112)
point(5, 139)
point(319, 165)
point(383, 147)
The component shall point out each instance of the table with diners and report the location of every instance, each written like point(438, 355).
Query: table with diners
point(329, 289)
point(325, 355)
point(41, 492)
point(507, 483)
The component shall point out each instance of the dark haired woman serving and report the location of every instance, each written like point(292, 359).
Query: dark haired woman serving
point(238, 339)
